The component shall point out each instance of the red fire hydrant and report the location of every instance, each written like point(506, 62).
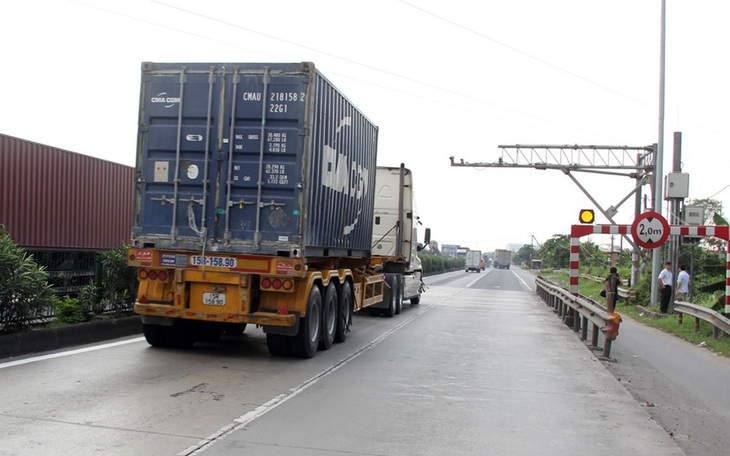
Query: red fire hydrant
point(611, 329)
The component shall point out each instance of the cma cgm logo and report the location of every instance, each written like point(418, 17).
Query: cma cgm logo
point(342, 174)
point(163, 98)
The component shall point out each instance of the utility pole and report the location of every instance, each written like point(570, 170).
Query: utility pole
point(658, 160)
point(677, 190)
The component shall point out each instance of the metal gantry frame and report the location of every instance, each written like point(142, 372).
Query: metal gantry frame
point(634, 162)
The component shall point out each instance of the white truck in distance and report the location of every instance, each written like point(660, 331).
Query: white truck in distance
point(395, 240)
point(474, 260)
point(502, 258)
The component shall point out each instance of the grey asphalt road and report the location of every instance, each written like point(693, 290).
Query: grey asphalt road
point(481, 366)
point(682, 386)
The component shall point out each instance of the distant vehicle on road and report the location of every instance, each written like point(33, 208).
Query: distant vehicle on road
point(502, 258)
point(474, 261)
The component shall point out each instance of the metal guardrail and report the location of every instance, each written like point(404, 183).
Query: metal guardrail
point(718, 321)
point(577, 311)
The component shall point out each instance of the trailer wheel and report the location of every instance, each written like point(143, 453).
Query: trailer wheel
point(304, 344)
point(389, 295)
point(155, 335)
point(234, 329)
point(208, 331)
point(278, 345)
point(398, 294)
point(329, 317)
point(344, 312)
point(179, 335)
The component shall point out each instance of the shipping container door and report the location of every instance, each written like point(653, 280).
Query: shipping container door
point(178, 151)
point(264, 175)
point(221, 156)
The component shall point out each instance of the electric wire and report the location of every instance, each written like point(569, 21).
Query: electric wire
point(334, 56)
point(391, 73)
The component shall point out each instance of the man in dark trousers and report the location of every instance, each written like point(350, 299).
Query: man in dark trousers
point(611, 287)
point(665, 281)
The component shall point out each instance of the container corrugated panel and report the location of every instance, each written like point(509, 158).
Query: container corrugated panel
point(51, 198)
point(252, 158)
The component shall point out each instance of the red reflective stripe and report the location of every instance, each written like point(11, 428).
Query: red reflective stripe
point(723, 232)
point(580, 230)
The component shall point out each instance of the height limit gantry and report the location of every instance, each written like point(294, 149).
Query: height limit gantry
point(630, 161)
point(635, 162)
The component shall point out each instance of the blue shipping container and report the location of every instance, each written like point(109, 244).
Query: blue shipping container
point(252, 158)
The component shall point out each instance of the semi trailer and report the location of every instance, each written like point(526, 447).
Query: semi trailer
point(255, 205)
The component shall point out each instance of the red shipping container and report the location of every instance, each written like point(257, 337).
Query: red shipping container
point(52, 199)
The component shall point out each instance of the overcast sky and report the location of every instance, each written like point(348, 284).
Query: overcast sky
point(440, 79)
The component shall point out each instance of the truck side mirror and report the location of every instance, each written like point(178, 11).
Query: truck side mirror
point(427, 236)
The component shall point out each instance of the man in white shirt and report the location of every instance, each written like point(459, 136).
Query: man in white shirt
point(682, 284)
point(665, 280)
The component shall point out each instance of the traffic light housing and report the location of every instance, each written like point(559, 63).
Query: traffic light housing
point(586, 216)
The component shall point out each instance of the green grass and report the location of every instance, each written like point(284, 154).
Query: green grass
point(668, 324)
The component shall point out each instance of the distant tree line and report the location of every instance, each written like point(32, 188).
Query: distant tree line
point(433, 262)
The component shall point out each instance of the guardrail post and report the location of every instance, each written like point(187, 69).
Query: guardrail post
point(606, 347)
point(584, 329)
point(594, 336)
point(697, 325)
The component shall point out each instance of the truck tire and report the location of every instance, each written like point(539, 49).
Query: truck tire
point(234, 329)
point(398, 294)
point(390, 295)
point(278, 345)
point(344, 312)
point(180, 334)
point(305, 343)
point(329, 317)
point(155, 335)
point(208, 331)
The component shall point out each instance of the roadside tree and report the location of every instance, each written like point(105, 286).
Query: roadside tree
point(24, 290)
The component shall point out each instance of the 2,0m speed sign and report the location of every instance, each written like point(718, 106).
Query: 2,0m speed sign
point(650, 230)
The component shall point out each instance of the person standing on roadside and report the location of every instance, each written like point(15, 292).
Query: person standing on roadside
point(665, 280)
point(682, 284)
point(610, 285)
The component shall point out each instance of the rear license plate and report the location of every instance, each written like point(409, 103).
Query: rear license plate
point(214, 299)
point(214, 261)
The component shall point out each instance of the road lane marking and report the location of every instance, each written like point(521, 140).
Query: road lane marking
point(69, 353)
point(524, 284)
point(470, 284)
point(242, 421)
